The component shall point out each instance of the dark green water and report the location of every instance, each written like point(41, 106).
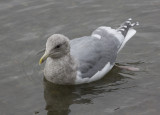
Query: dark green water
point(24, 28)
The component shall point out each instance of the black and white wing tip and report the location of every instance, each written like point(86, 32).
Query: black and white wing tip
point(125, 26)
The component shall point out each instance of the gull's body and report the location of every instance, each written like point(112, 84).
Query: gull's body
point(85, 59)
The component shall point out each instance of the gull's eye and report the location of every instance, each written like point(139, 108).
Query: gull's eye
point(58, 46)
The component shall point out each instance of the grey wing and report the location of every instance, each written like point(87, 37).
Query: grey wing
point(93, 54)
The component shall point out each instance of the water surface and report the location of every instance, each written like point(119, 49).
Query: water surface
point(24, 28)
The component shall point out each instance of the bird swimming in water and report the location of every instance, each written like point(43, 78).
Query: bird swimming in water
point(85, 59)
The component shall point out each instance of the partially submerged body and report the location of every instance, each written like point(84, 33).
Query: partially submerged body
point(85, 59)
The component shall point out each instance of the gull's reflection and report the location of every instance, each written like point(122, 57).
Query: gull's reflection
point(59, 98)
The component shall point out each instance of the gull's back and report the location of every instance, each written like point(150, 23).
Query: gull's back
point(93, 52)
point(96, 54)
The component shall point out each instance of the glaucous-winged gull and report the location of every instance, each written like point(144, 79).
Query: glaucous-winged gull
point(85, 59)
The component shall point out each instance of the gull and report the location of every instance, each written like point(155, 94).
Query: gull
point(85, 59)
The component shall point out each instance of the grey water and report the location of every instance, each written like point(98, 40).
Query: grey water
point(24, 28)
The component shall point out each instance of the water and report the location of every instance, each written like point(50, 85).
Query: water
point(24, 28)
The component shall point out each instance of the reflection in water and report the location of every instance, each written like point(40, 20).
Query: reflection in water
point(59, 98)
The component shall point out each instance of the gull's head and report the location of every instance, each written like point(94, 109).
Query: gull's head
point(57, 46)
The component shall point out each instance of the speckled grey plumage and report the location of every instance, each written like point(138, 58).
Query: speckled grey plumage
point(60, 66)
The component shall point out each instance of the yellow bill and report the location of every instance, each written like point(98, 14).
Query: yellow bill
point(43, 58)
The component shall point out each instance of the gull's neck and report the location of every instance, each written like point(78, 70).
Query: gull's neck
point(61, 70)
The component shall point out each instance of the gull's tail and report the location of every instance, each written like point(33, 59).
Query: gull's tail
point(126, 29)
point(125, 26)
